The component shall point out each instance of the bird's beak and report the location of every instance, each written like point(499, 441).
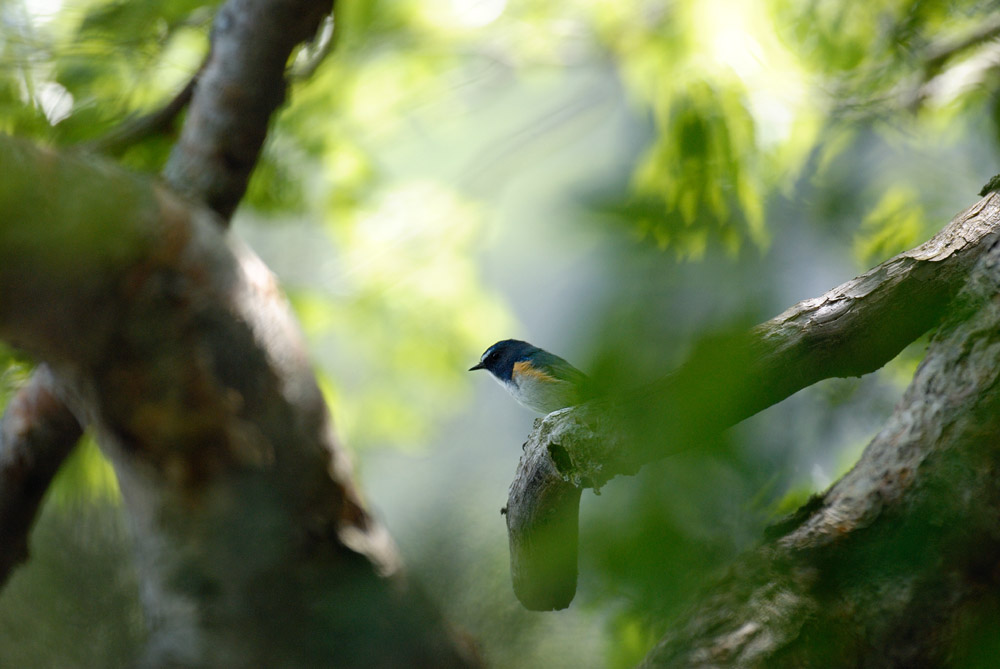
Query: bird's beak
point(476, 366)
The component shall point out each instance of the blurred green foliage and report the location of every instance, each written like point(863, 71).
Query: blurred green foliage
point(77, 603)
point(15, 371)
point(84, 477)
point(767, 136)
point(700, 170)
point(893, 226)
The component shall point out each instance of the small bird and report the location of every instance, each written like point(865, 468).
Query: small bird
point(537, 379)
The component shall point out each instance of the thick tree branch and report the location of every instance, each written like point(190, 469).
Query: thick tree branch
point(253, 547)
point(851, 330)
point(36, 434)
point(241, 85)
point(194, 377)
point(220, 123)
point(543, 515)
point(896, 561)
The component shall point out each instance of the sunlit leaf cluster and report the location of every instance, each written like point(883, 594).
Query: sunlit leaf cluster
point(700, 173)
point(894, 225)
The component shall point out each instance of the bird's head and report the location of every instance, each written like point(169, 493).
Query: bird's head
point(500, 358)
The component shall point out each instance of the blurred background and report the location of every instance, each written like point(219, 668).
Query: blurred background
point(609, 180)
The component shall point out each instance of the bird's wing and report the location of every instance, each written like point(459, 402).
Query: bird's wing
point(560, 368)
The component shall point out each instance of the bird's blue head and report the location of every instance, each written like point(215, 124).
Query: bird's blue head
point(500, 358)
point(536, 378)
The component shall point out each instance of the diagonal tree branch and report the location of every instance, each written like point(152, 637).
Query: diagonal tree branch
point(221, 127)
point(195, 379)
point(851, 330)
point(897, 560)
point(252, 544)
point(241, 85)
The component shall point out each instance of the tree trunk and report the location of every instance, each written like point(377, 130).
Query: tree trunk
point(175, 345)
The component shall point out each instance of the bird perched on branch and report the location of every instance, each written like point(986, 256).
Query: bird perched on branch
point(537, 379)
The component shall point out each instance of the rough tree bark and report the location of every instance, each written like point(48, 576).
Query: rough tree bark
point(896, 564)
point(240, 85)
point(175, 346)
point(252, 546)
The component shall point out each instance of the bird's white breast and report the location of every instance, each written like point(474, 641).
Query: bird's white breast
point(538, 394)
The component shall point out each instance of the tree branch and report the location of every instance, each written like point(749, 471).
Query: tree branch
point(246, 34)
point(543, 514)
point(851, 330)
point(194, 376)
point(252, 544)
point(897, 560)
point(242, 84)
